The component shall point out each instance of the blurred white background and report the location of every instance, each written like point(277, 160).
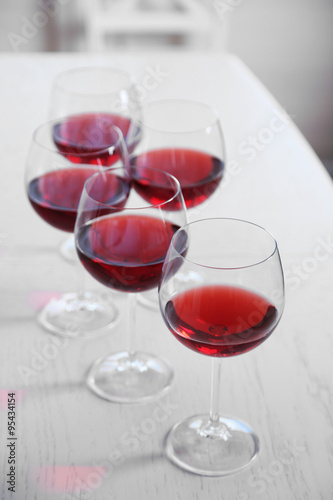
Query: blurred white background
point(288, 44)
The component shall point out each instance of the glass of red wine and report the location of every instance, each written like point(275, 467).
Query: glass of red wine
point(221, 294)
point(54, 185)
point(185, 138)
point(125, 251)
point(98, 98)
point(89, 102)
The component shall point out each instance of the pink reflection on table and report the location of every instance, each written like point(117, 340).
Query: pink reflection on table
point(68, 478)
point(18, 396)
point(38, 299)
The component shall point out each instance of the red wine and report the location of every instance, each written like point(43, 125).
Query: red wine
point(150, 184)
point(55, 196)
point(81, 137)
point(199, 174)
point(219, 320)
point(125, 252)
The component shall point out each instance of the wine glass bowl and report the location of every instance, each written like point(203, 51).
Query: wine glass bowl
point(221, 294)
point(55, 179)
point(184, 138)
point(95, 99)
point(125, 250)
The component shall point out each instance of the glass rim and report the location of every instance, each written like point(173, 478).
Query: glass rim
point(125, 168)
point(167, 101)
point(227, 268)
point(36, 140)
point(62, 74)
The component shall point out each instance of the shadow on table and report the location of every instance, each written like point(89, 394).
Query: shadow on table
point(123, 463)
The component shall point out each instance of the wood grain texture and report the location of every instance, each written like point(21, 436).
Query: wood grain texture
point(73, 445)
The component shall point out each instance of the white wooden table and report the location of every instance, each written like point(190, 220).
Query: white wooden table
point(71, 444)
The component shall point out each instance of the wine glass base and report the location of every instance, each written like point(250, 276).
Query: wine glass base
point(198, 446)
point(130, 377)
point(81, 317)
point(68, 250)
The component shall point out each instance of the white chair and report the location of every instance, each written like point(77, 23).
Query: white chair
point(184, 18)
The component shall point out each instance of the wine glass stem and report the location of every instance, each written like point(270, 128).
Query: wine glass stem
point(131, 317)
point(80, 280)
point(215, 392)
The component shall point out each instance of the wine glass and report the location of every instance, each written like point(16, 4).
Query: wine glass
point(99, 98)
point(221, 294)
point(125, 251)
point(54, 185)
point(89, 101)
point(185, 138)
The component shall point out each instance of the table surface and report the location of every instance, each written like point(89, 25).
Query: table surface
point(73, 445)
